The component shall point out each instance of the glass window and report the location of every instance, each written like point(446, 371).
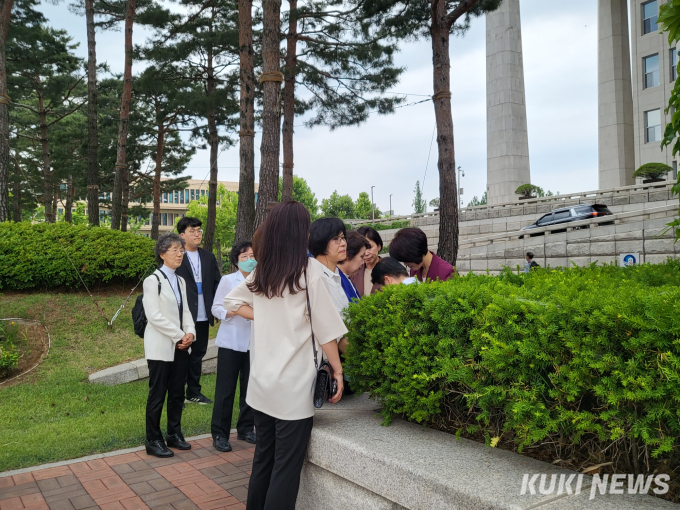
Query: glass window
point(165, 198)
point(651, 70)
point(192, 194)
point(562, 215)
point(653, 126)
point(675, 170)
point(650, 13)
point(674, 63)
point(165, 219)
point(176, 197)
point(60, 211)
point(202, 192)
point(545, 219)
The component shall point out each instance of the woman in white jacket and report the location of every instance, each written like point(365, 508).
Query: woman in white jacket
point(168, 335)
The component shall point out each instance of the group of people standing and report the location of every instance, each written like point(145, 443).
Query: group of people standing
point(272, 319)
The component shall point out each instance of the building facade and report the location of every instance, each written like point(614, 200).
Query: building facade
point(637, 70)
point(654, 71)
point(173, 205)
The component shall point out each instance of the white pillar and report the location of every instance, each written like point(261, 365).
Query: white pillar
point(506, 114)
point(615, 97)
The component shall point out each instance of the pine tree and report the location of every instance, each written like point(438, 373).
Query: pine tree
point(44, 78)
point(342, 63)
point(199, 47)
point(160, 106)
point(245, 217)
point(435, 20)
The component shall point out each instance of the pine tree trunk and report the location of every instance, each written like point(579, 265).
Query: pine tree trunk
point(218, 245)
point(68, 215)
point(245, 214)
point(17, 191)
point(92, 142)
point(289, 103)
point(214, 142)
point(271, 114)
point(160, 146)
point(48, 195)
point(448, 205)
point(125, 201)
point(4, 114)
point(117, 197)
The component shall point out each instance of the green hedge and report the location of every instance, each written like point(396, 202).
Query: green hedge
point(34, 255)
point(587, 356)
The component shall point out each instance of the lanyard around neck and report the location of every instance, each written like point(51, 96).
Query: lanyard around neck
point(197, 272)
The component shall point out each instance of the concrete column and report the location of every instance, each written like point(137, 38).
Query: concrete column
point(615, 97)
point(506, 114)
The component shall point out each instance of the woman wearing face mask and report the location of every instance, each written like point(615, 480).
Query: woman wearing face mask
point(233, 356)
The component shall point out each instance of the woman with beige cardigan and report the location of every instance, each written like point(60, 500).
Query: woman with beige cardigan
point(282, 370)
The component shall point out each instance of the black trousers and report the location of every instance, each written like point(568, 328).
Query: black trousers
point(166, 378)
point(279, 454)
point(230, 365)
point(198, 349)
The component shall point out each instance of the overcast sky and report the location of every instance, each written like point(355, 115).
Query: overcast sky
point(391, 152)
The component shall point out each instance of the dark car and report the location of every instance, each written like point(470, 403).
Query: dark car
point(568, 214)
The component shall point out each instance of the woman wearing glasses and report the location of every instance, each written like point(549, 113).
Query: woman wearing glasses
point(168, 335)
point(280, 390)
point(233, 355)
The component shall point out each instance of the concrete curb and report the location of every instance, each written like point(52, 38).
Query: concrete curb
point(138, 369)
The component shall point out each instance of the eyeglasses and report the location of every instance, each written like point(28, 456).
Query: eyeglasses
point(194, 232)
point(338, 239)
point(175, 251)
point(242, 258)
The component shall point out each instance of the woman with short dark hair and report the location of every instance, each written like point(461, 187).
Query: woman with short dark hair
point(362, 278)
point(410, 247)
point(282, 372)
point(356, 249)
point(168, 335)
point(233, 355)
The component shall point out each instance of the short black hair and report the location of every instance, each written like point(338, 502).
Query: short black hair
point(530, 254)
point(187, 222)
point(322, 231)
point(409, 245)
point(372, 234)
point(387, 267)
point(237, 249)
point(355, 242)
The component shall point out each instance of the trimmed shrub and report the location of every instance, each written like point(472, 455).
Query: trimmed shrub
point(652, 171)
point(527, 190)
point(580, 358)
point(382, 226)
point(35, 255)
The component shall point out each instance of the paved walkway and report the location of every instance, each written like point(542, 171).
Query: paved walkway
point(201, 478)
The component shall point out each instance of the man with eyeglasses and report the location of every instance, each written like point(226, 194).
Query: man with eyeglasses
point(202, 276)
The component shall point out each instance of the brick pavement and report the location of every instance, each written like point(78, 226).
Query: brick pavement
point(201, 478)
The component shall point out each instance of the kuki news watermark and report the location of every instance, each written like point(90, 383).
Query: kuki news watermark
point(613, 484)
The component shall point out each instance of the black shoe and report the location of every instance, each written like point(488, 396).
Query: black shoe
point(177, 441)
point(158, 448)
point(221, 444)
point(248, 438)
point(198, 399)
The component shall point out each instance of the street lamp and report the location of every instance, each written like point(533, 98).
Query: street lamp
point(391, 206)
point(461, 173)
point(372, 206)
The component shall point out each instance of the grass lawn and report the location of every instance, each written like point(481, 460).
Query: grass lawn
point(54, 413)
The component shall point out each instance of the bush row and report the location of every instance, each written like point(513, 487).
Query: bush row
point(37, 255)
point(581, 356)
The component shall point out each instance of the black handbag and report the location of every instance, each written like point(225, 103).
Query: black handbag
point(325, 386)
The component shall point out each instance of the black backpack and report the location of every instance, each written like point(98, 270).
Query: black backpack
point(139, 320)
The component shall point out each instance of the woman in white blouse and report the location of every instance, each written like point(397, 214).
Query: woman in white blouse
point(282, 370)
point(233, 356)
point(168, 335)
